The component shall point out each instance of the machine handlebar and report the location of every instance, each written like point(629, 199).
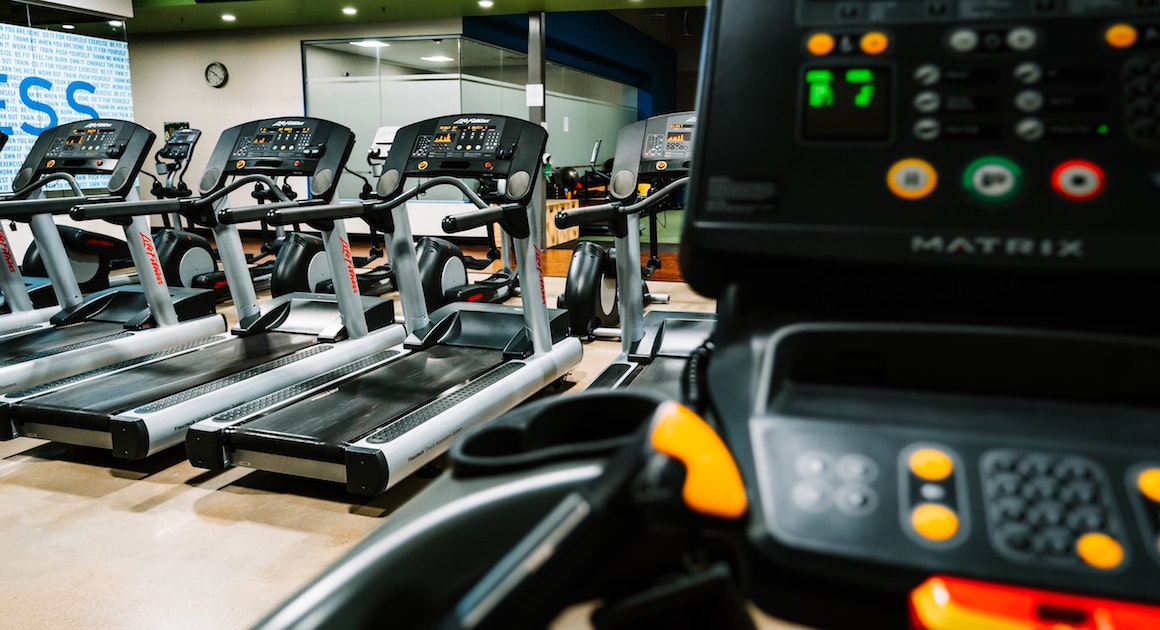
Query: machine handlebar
point(117, 207)
point(285, 214)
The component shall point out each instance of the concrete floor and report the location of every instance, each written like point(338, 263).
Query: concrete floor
point(88, 541)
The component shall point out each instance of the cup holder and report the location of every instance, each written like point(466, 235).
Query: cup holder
point(585, 425)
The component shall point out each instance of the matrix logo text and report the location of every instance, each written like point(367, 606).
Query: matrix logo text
point(998, 246)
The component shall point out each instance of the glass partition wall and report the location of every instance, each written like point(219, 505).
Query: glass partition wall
point(371, 83)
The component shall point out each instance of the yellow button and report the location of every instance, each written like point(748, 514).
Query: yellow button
point(874, 42)
point(713, 483)
point(1100, 550)
point(911, 178)
point(1149, 483)
point(931, 464)
point(820, 44)
point(1120, 35)
point(934, 521)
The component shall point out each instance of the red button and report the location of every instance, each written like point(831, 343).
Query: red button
point(487, 165)
point(1078, 180)
point(297, 162)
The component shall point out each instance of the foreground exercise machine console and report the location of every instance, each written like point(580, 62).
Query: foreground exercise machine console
point(655, 347)
point(461, 365)
point(140, 409)
point(938, 406)
point(109, 326)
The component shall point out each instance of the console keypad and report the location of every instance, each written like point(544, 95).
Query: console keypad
point(1141, 89)
point(1040, 505)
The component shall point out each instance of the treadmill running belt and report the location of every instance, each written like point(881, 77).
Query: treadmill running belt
point(662, 375)
point(91, 404)
point(319, 427)
point(20, 348)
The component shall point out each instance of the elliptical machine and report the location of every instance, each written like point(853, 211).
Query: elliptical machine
point(590, 287)
point(443, 267)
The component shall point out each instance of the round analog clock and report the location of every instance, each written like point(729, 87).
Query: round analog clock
point(216, 74)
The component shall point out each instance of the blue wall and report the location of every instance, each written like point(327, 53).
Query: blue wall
point(595, 42)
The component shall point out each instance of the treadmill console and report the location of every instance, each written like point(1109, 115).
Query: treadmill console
point(279, 147)
point(917, 144)
point(117, 148)
point(660, 147)
point(963, 133)
point(479, 146)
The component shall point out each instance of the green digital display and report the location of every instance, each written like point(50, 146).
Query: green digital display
point(846, 103)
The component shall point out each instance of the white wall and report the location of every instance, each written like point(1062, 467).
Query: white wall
point(266, 78)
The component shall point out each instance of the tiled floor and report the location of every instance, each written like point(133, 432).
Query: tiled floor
point(88, 541)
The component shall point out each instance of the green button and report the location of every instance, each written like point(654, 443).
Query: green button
point(993, 178)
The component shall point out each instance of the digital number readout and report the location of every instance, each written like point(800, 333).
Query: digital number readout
point(846, 103)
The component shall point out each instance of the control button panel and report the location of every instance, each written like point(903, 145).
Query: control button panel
point(1044, 507)
point(463, 138)
point(933, 494)
point(1143, 483)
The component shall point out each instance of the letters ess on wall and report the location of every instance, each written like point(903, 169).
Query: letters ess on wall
point(49, 78)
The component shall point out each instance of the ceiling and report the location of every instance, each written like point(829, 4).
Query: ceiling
point(157, 16)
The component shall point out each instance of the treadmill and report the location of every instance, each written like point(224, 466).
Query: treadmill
point(145, 408)
point(110, 326)
point(655, 347)
point(465, 363)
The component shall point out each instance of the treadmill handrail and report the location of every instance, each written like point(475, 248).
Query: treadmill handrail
point(406, 196)
point(285, 214)
point(123, 208)
point(44, 181)
point(55, 205)
point(592, 214)
point(477, 218)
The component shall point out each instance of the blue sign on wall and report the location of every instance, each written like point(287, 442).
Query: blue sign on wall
point(49, 78)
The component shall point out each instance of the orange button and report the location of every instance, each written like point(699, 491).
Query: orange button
point(911, 178)
point(874, 42)
point(1100, 550)
point(931, 464)
point(1120, 35)
point(820, 44)
point(1149, 484)
point(934, 522)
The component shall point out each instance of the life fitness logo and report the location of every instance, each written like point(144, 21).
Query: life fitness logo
point(9, 259)
point(349, 265)
point(147, 243)
point(540, 268)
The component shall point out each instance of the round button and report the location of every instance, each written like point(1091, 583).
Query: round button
point(934, 522)
point(927, 102)
point(1029, 129)
point(1078, 180)
point(856, 468)
point(856, 500)
point(1028, 73)
point(931, 464)
point(1120, 35)
point(820, 44)
point(932, 492)
point(1029, 101)
point(1100, 550)
point(874, 43)
point(1022, 39)
point(927, 129)
point(813, 464)
point(811, 496)
point(964, 40)
point(911, 178)
point(992, 178)
point(1148, 482)
point(927, 74)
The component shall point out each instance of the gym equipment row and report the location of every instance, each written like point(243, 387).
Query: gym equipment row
point(936, 410)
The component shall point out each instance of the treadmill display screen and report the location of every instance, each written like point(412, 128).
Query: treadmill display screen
point(278, 141)
point(86, 142)
point(846, 103)
point(462, 138)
